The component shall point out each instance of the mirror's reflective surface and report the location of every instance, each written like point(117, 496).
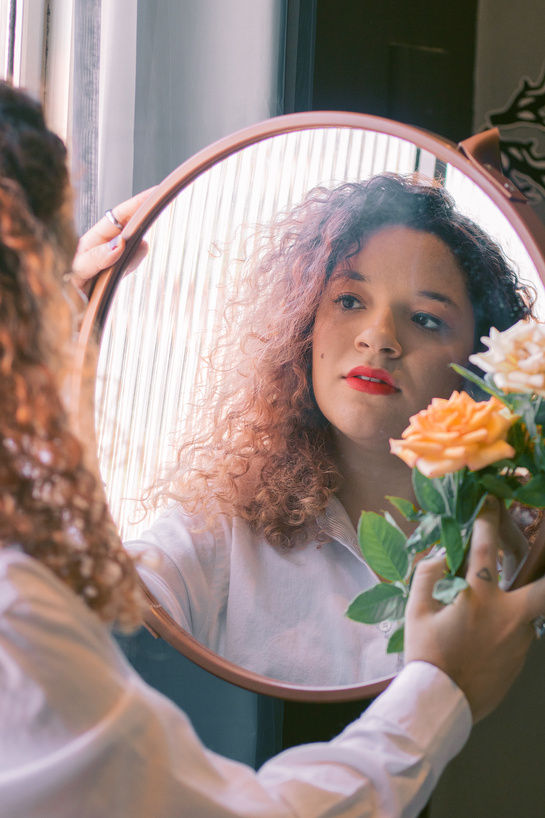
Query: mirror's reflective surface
point(271, 608)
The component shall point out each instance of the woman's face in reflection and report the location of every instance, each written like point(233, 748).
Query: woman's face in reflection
point(392, 319)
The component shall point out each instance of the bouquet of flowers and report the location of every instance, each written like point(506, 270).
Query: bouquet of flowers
point(460, 450)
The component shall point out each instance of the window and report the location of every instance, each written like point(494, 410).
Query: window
point(22, 49)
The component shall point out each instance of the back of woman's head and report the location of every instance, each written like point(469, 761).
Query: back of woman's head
point(51, 506)
point(31, 154)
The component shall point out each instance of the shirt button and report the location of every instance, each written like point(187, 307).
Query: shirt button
point(385, 626)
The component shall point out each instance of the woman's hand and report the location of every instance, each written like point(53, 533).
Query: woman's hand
point(482, 638)
point(102, 245)
point(513, 542)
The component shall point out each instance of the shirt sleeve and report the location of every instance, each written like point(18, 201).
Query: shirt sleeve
point(82, 734)
point(187, 572)
point(388, 761)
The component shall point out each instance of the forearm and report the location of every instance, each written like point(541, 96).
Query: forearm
point(388, 761)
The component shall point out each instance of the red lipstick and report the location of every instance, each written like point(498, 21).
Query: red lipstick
point(370, 380)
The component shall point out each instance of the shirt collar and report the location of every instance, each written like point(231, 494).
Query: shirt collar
point(336, 524)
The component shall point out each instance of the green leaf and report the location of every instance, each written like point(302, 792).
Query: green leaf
point(383, 546)
point(523, 404)
point(396, 641)
point(377, 604)
point(538, 454)
point(486, 385)
point(409, 511)
point(467, 528)
point(498, 485)
point(427, 493)
point(533, 492)
point(540, 412)
point(447, 589)
point(426, 534)
point(451, 538)
point(518, 437)
point(469, 493)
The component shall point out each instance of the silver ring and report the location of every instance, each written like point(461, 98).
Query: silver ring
point(110, 216)
point(539, 626)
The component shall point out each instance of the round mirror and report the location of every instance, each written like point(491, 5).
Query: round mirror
point(258, 615)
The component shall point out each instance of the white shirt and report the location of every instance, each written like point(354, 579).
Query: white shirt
point(82, 735)
point(278, 612)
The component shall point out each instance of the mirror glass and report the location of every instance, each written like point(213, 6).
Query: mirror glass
point(161, 327)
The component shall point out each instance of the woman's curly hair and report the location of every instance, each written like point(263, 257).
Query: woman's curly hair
point(51, 505)
point(259, 447)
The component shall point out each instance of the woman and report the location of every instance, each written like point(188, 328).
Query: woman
point(80, 733)
point(344, 324)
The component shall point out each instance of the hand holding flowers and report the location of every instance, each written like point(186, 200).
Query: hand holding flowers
point(460, 451)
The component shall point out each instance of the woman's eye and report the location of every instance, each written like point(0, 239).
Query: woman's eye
point(429, 322)
point(348, 302)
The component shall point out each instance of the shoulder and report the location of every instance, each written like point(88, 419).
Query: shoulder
point(37, 607)
point(187, 565)
point(180, 536)
point(52, 644)
point(25, 580)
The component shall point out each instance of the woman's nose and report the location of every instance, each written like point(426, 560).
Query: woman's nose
point(379, 334)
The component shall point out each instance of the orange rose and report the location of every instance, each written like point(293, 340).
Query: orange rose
point(454, 433)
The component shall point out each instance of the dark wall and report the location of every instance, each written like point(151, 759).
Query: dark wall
point(410, 60)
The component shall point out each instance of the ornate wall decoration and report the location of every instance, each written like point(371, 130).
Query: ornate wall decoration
point(522, 129)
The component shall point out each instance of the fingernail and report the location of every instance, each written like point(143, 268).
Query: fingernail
point(491, 503)
point(114, 242)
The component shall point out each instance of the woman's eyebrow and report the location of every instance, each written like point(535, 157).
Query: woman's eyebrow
point(431, 294)
point(444, 299)
point(346, 272)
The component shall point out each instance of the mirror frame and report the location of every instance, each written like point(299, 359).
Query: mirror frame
point(477, 157)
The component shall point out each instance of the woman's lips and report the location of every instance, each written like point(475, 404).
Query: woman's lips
point(372, 381)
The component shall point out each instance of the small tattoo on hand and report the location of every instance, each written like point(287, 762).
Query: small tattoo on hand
point(485, 574)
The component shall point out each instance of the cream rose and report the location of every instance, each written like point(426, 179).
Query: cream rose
point(454, 433)
point(515, 357)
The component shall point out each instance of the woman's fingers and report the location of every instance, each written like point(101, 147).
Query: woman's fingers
point(104, 230)
point(87, 264)
point(102, 245)
point(428, 571)
point(513, 541)
point(125, 210)
point(482, 571)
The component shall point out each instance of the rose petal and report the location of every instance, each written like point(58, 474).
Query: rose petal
point(454, 433)
point(438, 468)
point(493, 453)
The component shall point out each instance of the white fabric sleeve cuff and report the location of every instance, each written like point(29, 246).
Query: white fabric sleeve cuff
point(387, 762)
point(430, 707)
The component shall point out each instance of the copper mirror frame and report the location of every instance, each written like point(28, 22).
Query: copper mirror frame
point(478, 158)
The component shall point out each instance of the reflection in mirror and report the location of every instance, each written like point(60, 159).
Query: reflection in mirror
point(144, 374)
point(163, 325)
